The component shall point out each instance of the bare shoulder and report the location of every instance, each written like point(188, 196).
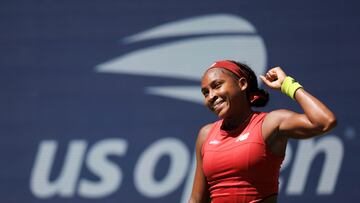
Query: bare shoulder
point(276, 116)
point(273, 120)
point(203, 133)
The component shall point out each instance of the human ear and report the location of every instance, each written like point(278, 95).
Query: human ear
point(242, 83)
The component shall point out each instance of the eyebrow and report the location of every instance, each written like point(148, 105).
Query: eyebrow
point(212, 83)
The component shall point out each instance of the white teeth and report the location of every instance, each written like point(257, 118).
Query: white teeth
point(218, 102)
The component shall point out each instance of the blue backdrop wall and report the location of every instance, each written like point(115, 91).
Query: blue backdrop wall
point(100, 100)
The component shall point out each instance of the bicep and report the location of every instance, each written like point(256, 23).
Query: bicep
point(295, 125)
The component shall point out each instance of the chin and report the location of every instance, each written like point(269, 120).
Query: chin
point(222, 114)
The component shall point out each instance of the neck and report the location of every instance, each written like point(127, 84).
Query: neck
point(237, 121)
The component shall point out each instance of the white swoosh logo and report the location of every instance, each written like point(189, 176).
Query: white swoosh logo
point(189, 58)
point(224, 23)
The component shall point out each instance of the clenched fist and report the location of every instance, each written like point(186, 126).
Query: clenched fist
point(274, 78)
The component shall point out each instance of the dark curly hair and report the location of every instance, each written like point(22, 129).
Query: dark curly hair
point(262, 96)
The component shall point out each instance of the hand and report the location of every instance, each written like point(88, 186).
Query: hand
point(274, 78)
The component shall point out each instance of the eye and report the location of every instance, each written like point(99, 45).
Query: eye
point(217, 85)
point(205, 92)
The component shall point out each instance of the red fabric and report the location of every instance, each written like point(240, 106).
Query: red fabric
point(230, 66)
point(237, 165)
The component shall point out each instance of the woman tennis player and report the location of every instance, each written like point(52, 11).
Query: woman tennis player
point(239, 156)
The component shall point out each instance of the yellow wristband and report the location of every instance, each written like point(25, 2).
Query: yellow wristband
point(289, 86)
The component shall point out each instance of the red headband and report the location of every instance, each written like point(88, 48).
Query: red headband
point(230, 66)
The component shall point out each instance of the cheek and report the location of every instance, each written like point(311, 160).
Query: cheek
point(226, 92)
point(234, 95)
point(238, 100)
point(206, 102)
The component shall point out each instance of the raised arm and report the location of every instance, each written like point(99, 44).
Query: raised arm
point(316, 119)
point(200, 190)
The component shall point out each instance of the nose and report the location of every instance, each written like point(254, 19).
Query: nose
point(212, 96)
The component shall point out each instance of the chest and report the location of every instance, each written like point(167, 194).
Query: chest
point(233, 155)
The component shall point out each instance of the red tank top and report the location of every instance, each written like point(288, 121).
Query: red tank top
point(238, 166)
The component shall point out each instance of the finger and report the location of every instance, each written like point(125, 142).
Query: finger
point(266, 81)
point(271, 76)
point(263, 78)
point(273, 70)
point(268, 76)
point(274, 75)
point(278, 68)
point(280, 73)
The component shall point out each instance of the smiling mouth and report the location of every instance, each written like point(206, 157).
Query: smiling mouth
point(217, 105)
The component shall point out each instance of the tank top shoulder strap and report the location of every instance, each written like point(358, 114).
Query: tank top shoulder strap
point(256, 126)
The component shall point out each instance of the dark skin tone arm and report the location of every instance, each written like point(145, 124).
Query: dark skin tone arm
point(279, 125)
point(200, 190)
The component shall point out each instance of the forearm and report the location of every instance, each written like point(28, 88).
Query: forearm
point(317, 113)
point(200, 192)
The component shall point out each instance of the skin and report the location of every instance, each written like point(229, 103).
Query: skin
point(226, 97)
